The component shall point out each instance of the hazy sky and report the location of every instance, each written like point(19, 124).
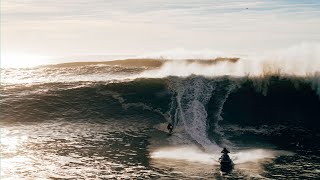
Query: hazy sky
point(42, 29)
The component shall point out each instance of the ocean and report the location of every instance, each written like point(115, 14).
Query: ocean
point(107, 120)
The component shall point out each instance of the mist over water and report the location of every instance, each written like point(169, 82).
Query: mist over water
point(108, 119)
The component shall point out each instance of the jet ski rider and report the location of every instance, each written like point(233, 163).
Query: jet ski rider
point(225, 156)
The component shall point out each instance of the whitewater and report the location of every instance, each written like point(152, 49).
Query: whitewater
point(107, 119)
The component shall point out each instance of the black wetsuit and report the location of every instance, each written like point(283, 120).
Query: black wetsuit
point(170, 127)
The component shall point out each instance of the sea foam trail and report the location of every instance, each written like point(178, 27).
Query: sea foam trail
point(190, 111)
point(194, 154)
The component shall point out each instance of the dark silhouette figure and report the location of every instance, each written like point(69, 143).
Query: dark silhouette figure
point(170, 128)
point(225, 151)
point(226, 164)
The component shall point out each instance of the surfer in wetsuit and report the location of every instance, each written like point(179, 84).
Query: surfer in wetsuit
point(170, 128)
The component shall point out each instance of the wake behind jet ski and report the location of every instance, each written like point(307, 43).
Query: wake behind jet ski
point(226, 164)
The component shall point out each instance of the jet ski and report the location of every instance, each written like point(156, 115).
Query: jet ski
point(226, 164)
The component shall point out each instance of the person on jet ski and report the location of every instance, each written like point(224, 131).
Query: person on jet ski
point(226, 164)
point(170, 127)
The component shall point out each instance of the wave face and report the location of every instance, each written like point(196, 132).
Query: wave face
point(208, 111)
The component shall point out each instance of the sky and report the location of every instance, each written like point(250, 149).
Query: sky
point(43, 31)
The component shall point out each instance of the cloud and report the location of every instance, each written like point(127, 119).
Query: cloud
point(140, 26)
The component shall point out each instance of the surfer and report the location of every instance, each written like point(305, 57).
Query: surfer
point(170, 128)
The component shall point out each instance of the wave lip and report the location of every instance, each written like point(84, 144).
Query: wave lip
point(302, 60)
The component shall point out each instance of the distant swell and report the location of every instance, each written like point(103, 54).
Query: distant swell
point(144, 62)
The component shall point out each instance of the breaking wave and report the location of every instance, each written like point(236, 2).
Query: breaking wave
point(211, 102)
point(206, 112)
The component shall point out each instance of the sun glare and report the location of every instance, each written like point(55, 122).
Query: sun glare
point(11, 143)
point(22, 60)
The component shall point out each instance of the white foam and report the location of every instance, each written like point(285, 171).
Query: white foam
point(194, 154)
point(191, 154)
point(181, 53)
point(298, 60)
point(192, 95)
point(252, 155)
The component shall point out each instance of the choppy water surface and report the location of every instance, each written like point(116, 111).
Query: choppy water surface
point(102, 151)
point(109, 122)
point(64, 150)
